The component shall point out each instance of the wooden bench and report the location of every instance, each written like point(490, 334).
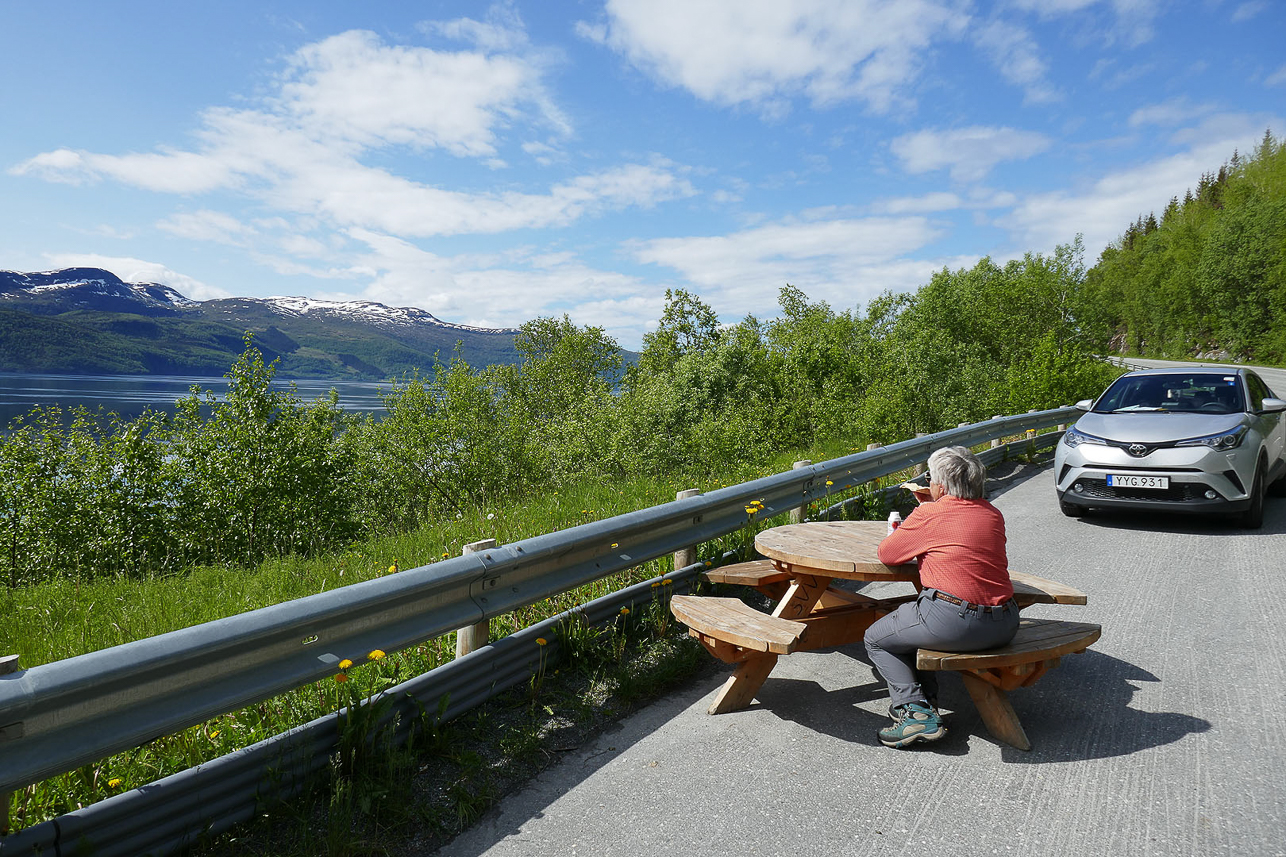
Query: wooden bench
point(989, 674)
point(736, 633)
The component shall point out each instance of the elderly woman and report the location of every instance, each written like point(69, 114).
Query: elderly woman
point(967, 601)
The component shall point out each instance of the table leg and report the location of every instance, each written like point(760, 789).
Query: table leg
point(741, 687)
point(801, 597)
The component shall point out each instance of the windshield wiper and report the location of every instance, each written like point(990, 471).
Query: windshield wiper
point(1138, 408)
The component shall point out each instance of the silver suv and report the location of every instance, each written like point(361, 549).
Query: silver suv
point(1206, 439)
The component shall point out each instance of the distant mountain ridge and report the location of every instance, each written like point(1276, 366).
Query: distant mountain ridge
point(89, 321)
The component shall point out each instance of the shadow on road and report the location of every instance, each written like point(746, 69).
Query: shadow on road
point(1079, 711)
point(1214, 526)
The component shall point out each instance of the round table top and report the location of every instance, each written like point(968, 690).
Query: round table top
point(833, 549)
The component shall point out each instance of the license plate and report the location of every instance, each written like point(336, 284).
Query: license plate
point(1159, 483)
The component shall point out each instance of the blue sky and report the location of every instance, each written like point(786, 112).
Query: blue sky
point(494, 163)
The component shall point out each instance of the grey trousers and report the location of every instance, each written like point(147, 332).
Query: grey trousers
point(932, 623)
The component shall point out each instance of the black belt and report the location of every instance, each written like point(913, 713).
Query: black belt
point(939, 595)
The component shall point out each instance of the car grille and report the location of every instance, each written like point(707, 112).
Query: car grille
point(1178, 492)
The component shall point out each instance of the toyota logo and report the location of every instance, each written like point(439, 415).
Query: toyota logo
point(1138, 450)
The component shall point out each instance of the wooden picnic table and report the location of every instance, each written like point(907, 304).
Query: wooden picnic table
point(804, 561)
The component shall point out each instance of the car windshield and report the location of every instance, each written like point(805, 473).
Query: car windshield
point(1206, 392)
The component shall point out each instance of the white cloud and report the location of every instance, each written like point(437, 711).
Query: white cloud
point(1133, 18)
point(930, 202)
point(762, 53)
point(1018, 58)
point(165, 171)
point(490, 291)
point(208, 226)
point(1102, 210)
point(1175, 111)
point(1277, 78)
point(1246, 11)
point(353, 87)
point(970, 153)
point(348, 95)
point(138, 271)
point(830, 260)
point(502, 31)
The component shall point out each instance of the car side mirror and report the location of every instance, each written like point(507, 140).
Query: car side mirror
point(1086, 404)
point(1271, 406)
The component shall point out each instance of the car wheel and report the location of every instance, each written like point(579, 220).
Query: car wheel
point(1070, 510)
point(1253, 517)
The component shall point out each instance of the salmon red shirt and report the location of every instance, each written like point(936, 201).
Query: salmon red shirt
point(961, 548)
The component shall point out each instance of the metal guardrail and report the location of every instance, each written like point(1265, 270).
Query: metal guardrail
point(59, 716)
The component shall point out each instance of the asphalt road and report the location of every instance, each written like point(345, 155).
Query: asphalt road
point(1166, 738)
point(1274, 378)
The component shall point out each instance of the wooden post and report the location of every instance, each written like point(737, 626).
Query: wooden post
point(8, 664)
point(686, 556)
point(476, 636)
point(797, 514)
point(924, 465)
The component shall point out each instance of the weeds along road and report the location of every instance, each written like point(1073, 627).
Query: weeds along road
point(1164, 739)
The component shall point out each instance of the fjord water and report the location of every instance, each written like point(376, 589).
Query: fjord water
point(129, 395)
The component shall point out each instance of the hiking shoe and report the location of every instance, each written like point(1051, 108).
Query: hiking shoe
point(916, 721)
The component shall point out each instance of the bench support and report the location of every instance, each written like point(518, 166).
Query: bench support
point(997, 714)
point(740, 688)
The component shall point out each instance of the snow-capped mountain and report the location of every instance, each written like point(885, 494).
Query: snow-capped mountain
point(87, 320)
point(97, 289)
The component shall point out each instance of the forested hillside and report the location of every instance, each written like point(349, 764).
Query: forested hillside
point(1209, 274)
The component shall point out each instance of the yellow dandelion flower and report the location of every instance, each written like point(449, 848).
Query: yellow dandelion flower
point(541, 641)
point(376, 655)
point(655, 584)
point(345, 664)
point(113, 782)
point(341, 678)
point(615, 545)
point(392, 569)
point(829, 482)
point(445, 554)
point(214, 734)
point(666, 582)
point(625, 611)
point(708, 563)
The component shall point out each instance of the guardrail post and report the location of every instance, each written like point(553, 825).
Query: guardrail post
point(476, 636)
point(8, 664)
point(920, 468)
point(684, 557)
point(797, 513)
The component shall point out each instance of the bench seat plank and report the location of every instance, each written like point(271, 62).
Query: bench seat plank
point(733, 621)
point(756, 573)
point(1036, 640)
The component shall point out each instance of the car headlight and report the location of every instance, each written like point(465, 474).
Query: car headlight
point(1074, 438)
point(1223, 440)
